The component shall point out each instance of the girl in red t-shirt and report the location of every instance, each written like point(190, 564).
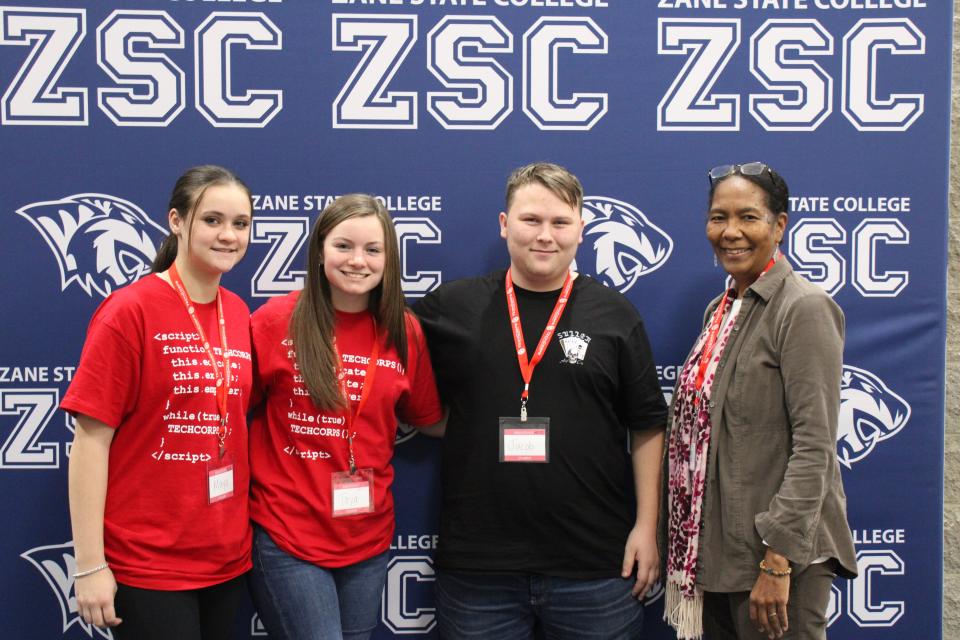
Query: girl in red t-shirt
point(158, 469)
point(337, 364)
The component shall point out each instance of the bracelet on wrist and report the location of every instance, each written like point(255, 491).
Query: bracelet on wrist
point(88, 572)
point(770, 571)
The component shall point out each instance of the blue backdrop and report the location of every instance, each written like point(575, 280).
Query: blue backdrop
point(430, 103)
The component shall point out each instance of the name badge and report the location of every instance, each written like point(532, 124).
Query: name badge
point(352, 492)
point(220, 481)
point(525, 440)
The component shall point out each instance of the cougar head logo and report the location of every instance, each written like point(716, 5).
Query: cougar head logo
point(869, 413)
point(625, 244)
point(57, 565)
point(100, 242)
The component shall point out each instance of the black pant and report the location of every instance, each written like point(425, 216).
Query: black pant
point(196, 614)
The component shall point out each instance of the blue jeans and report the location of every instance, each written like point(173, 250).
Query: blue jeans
point(297, 600)
point(516, 606)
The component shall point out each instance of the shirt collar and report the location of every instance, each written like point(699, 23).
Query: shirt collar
point(770, 282)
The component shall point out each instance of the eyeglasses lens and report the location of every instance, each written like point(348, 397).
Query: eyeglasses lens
point(722, 171)
point(752, 168)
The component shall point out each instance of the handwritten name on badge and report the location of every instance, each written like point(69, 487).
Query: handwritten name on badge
point(524, 445)
point(352, 498)
point(220, 483)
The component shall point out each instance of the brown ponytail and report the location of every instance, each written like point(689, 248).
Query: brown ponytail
point(187, 193)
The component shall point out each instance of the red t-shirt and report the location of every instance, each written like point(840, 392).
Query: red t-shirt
point(144, 371)
point(294, 447)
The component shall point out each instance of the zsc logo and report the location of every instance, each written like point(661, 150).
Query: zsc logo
point(869, 413)
point(100, 242)
point(57, 565)
point(406, 603)
point(624, 243)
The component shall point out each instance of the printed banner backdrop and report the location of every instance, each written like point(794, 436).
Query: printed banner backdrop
point(430, 104)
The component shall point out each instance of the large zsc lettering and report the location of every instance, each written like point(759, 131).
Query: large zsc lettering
point(861, 47)
point(364, 102)
point(812, 250)
point(688, 104)
point(813, 255)
point(862, 602)
point(863, 606)
point(150, 86)
point(286, 236)
point(542, 103)
point(129, 50)
point(34, 97)
point(417, 231)
point(800, 92)
point(160, 98)
point(33, 409)
point(275, 275)
point(483, 89)
point(776, 71)
point(867, 279)
point(405, 576)
point(215, 98)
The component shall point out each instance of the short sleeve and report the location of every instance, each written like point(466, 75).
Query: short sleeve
point(259, 356)
point(435, 329)
point(428, 307)
point(421, 407)
point(641, 401)
point(107, 382)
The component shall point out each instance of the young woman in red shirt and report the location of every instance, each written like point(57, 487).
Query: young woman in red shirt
point(338, 364)
point(158, 470)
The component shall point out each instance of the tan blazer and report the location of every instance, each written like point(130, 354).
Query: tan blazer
point(773, 475)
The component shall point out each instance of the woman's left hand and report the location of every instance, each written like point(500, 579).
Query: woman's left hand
point(768, 599)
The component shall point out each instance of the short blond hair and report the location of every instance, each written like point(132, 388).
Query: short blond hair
point(556, 179)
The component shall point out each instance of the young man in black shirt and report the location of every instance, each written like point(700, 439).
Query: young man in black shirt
point(547, 374)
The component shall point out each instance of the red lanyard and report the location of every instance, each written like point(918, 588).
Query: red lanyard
point(222, 376)
point(526, 368)
point(711, 342)
point(715, 323)
point(351, 415)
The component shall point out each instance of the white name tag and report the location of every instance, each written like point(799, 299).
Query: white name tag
point(524, 440)
point(220, 483)
point(352, 493)
point(524, 445)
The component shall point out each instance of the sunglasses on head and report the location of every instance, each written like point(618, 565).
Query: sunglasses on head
point(747, 169)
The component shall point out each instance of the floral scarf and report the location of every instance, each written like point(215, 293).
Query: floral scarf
point(687, 449)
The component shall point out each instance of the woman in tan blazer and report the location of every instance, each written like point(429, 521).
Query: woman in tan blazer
point(757, 526)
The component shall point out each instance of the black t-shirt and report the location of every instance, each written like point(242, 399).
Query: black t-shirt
point(571, 516)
